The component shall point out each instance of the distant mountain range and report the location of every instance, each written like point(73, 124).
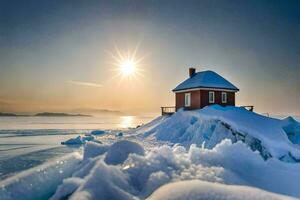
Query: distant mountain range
point(8, 114)
point(44, 114)
point(49, 114)
point(80, 112)
point(96, 111)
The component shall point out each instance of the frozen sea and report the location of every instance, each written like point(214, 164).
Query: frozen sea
point(29, 141)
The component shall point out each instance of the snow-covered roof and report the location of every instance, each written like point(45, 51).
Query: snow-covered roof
point(206, 79)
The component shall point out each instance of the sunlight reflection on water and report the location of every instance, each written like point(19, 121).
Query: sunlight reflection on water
point(126, 121)
point(97, 122)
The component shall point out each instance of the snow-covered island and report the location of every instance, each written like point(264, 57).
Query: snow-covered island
point(211, 153)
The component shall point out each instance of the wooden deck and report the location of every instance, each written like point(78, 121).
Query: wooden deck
point(168, 110)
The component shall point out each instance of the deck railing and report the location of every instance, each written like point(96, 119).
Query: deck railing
point(168, 110)
point(250, 108)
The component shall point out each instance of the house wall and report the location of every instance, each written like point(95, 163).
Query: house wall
point(195, 100)
point(218, 98)
point(199, 99)
point(179, 100)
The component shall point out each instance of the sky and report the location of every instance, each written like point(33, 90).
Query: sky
point(60, 55)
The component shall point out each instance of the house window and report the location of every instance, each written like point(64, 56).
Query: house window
point(187, 99)
point(224, 97)
point(211, 97)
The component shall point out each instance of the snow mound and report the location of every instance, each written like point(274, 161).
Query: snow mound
point(292, 128)
point(146, 127)
point(120, 150)
point(79, 140)
point(210, 125)
point(140, 175)
point(39, 182)
point(104, 182)
point(93, 149)
point(200, 190)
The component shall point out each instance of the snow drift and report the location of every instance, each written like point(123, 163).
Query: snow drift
point(210, 125)
point(119, 151)
point(140, 175)
point(292, 128)
point(200, 190)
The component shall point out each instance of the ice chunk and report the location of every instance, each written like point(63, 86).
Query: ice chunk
point(88, 138)
point(79, 140)
point(120, 134)
point(120, 150)
point(98, 132)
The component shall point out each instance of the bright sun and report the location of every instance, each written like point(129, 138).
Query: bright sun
point(127, 67)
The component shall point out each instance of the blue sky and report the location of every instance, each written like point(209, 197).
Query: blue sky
point(47, 48)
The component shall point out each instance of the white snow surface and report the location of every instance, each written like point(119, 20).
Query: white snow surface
point(119, 151)
point(211, 152)
point(212, 124)
point(200, 190)
point(93, 149)
point(292, 128)
point(140, 175)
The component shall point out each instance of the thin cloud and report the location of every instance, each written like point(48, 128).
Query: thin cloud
point(88, 84)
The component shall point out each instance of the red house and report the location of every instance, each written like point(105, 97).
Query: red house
point(204, 88)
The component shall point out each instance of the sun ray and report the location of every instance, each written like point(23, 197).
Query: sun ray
point(127, 64)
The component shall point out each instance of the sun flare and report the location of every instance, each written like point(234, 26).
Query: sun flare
point(127, 67)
